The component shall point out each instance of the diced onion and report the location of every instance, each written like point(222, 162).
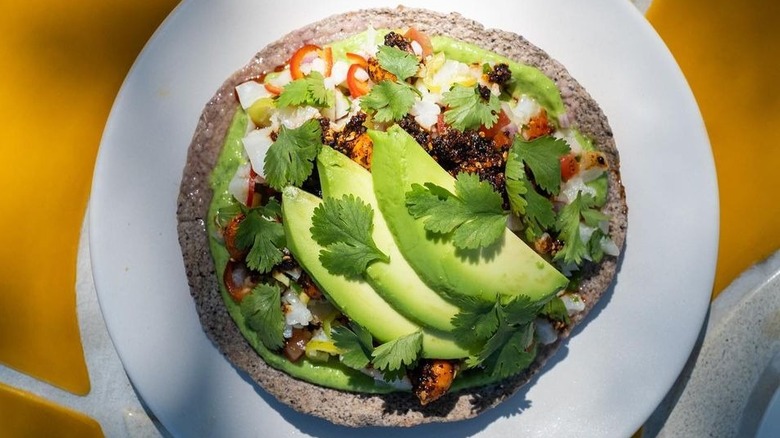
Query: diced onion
point(417, 48)
point(609, 247)
point(522, 111)
point(248, 92)
point(545, 331)
point(296, 313)
point(256, 145)
point(573, 186)
point(338, 74)
point(426, 111)
point(294, 117)
point(573, 303)
point(239, 184)
point(568, 136)
point(403, 384)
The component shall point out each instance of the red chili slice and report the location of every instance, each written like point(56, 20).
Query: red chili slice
point(422, 39)
point(356, 87)
point(296, 61)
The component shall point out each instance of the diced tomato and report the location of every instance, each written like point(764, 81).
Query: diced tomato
point(296, 61)
point(569, 166)
point(538, 126)
point(296, 345)
point(356, 87)
point(502, 121)
point(501, 140)
point(422, 39)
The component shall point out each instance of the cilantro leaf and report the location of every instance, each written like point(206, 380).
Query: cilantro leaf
point(389, 100)
point(595, 250)
point(474, 215)
point(520, 310)
point(475, 323)
point(355, 344)
point(309, 90)
point(510, 357)
point(592, 217)
point(535, 210)
point(290, 159)
point(398, 62)
point(262, 309)
point(556, 310)
point(343, 226)
point(568, 227)
point(265, 239)
point(398, 353)
point(543, 158)
point(468, 110)
point(516, 184)
point(506, 328)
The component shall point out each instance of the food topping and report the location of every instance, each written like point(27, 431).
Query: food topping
point(512, 163)
point(432, 379)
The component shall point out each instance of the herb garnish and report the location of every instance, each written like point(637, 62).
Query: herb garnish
point(568, 226)
point(473, 215)
point(263, 235)
point(389, 100)
point(468, 109)
point(343, 226)
point(309, 90)
point(391, 358)
point(290, 159)
point(262, 310)
point(398, 62)
point(506, 329)
point(355, 345)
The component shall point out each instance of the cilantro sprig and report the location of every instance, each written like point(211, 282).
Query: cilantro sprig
point(389, 100)
point(535, 210)
point(398, 62)
point(568, 227)
point(263, 235)
point(505, 328)
point(355, 344)
point(392, 358)
point(543, 158)
point(474, 214)
point(344, 226)
point(290, 159)
point(468, 109)
point(308, 90)
point(262, 310)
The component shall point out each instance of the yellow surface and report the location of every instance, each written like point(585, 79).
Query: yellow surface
point(730, 54)
point(25, 415)
point(62, 65)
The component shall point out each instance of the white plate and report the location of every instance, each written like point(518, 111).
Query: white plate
point(605, 381)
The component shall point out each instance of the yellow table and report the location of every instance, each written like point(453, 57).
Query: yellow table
point(62, 67)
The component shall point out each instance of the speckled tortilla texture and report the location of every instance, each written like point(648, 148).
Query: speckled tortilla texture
point(399, 409)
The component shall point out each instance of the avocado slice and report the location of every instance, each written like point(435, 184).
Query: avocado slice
point(396, 281)
point(356, 299)
point(508, 267)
